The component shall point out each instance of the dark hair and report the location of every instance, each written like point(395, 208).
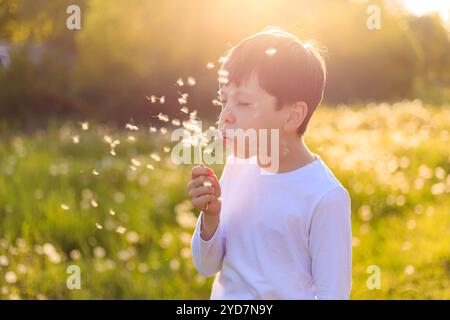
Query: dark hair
point(287, 68)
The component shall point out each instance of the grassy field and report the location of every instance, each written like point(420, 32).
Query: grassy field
point(126, 220)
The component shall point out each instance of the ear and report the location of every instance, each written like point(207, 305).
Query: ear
point(296, 114)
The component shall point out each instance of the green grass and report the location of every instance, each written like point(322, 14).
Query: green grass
point(393, 159)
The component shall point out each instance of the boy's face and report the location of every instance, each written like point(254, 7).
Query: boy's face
point(249, 107)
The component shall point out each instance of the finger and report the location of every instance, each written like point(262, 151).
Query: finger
point(199, 181)
point(197, 192)
point(200, 170)
point(200, 202)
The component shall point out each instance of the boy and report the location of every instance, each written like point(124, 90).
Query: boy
point(265, 233)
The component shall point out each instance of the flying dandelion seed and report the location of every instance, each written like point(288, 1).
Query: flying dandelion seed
point(223, 59)
point(151, 167)
point(131, 138)
point(163, 117)
point(112, 152)
point(75, 139)
point(135, 162)
point(222, 80)
point(216, 103)
point(191, 81)
point(175, 122)
point(94, 203)
point(112, 212)
point(223, 73)
point(166, 149)
point(152, 98)
point(162, 100)
point(65, 206)
point(121, 229)
point(152, 129)
point(133, 168)
point(131, 127)
point(95, 172)
point(107, 139)
point(210, 65)
point(98, 226)
point(155, 157)
point(180, 82)
point(184, 110)
point(271, 52)
point(163, 130)
point(84, 125)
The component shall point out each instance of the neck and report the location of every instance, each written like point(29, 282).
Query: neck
point(293, 154)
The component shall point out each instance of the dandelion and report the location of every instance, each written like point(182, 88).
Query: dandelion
point(99, 252)
point(4, 261)
point(65, 206)
point(409, 270)
point(271, 52)
point(84, 125)
point(142, 267)
point(132, 237)
point(174, 264)
point(11, 277)
point(75, 254)
point(191, 81)
point(210, 65)
point(121, 229)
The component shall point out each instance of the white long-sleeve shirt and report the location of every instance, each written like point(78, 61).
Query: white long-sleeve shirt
point(281, 236)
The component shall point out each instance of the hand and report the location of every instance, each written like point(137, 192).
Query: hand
point(204, 190)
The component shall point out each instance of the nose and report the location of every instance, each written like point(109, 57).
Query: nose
point(227, 116)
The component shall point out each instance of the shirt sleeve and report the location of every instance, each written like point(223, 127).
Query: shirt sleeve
point(207, 254)
point(330, 244)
